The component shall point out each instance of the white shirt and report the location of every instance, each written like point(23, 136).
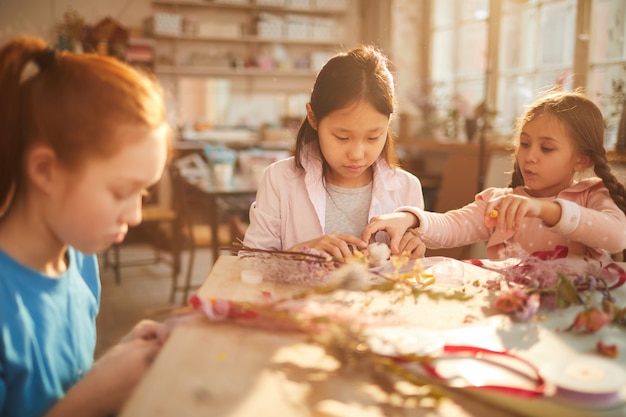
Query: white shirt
point(290, 205)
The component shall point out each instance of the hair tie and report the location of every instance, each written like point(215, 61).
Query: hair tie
point(37, 64)
point(45, 58)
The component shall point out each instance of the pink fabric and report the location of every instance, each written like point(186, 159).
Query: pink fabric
point(290, 205)
point(591, 224)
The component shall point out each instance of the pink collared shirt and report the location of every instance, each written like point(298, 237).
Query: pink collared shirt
point(290, 205)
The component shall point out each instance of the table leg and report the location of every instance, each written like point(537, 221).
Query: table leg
point(214, 221)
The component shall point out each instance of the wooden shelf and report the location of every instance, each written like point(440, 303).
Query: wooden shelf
point(245, 47)
point(250, 7)
point(248, 39)
point(232, 72)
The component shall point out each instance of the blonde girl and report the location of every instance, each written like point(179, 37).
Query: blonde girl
point(561, 135)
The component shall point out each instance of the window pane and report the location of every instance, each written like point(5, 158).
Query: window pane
point(547, 79)
point(473, 49)
point(443, 54)
point(600, 87)
point(556, 44)
point(536, 52)
point(518, 37)
point(608, 30)
point(607, 68)
point(459, 56)
point(474, 9)
point(516, 92)
point(472, 91)
point(444, 12)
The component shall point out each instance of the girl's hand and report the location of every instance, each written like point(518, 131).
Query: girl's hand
point(337, 245)
point(395, 224)
point(116, 374)
point(113, 378)
point(507, 212)
point(148, 330)
point(412, 245)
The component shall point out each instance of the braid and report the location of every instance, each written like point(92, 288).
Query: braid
point(616, 189)
point(516, 176)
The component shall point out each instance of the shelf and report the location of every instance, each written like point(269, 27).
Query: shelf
point(248, 39)
point(249, 7)
point(197, 41)
point(231, 72)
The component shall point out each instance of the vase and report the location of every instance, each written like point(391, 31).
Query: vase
point(470, 129)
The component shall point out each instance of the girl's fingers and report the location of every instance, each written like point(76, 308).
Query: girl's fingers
point(412, 245)
point(491, 217)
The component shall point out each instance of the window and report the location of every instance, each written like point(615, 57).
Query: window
point(536, 49)
point(536, 52)
point(607, 66)
point(459, 56)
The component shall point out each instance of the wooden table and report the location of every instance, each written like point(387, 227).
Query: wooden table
point(221, 369)
point(235, 197)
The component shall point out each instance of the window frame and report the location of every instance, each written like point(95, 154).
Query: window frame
point(580, 72)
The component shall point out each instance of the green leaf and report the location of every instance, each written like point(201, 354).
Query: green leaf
point(566, 292)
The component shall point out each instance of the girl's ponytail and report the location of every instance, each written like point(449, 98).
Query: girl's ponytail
point(14, 59)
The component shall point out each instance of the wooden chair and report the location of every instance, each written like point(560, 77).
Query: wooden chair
point(159, 228)
point(237, 228)
point(195, 231)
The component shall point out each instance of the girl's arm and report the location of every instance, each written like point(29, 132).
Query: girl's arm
point(113, 378)
point(438, 230)
point(264, 229)
point(507, 212)
point(597, 223)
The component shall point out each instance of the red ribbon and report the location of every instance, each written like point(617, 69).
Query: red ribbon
point(478, 353)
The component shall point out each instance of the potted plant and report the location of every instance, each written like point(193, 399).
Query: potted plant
point(618, 98)
point(71, 31)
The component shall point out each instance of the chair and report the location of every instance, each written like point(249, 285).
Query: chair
point(237, 228)
point(160, 228)
point(195, 230)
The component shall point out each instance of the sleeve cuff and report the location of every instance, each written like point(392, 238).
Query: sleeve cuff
point(416, 211)
point(570, 217)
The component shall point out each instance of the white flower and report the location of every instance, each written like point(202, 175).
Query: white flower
point(378, 253)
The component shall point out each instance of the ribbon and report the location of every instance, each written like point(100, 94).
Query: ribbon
point(478, 353)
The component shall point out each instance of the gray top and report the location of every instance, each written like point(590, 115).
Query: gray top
point(347, 209)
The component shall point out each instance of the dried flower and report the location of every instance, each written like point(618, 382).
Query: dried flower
point(424, 100)
point(460, 107)
point(519, 303)
point(618, 96)
point(590, 321)
point(512, 301)
point(554, 281)
point(307, 267)
point(610, 351)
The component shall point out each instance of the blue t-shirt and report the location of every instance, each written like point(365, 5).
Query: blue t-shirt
point(47, 332)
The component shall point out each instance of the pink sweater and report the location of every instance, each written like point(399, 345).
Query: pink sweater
point(591, 224)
